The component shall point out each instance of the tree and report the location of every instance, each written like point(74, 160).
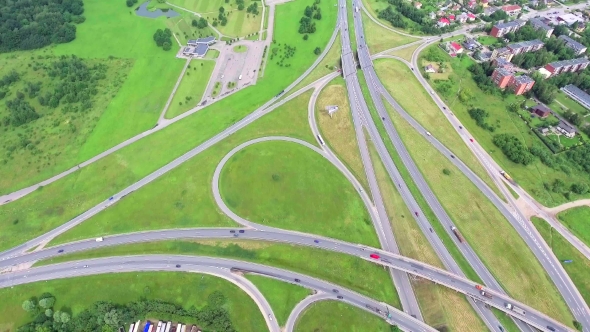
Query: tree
point(29, 306)
point(317, 51)
point(221, 10)
point(305, 36)
point(64, 317)
point(47, 302)
point(446, 171)
point(112, 318)
point(57, 316)
point(49, 313)
point(216, 299)
point(308, 11)
point(579, 188)
point(166, 46)
point(130, 3)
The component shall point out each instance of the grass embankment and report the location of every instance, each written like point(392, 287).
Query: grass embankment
point(289, 186)
point(59, 202)
point(505, 254)
point(338, 316)
point(191, 88)
point(338, 130)
point(531, 177)
point(189, 289)
point(130, 105)
point(328, 65)
point(348, 271)
point(576, 220)
point(183, 197)
point(579, 268)
point(405, 53)
point(399, 80)
point(375, 6)
point(281, 296)
point(434, 300)
point(380, 39)
point(239, 22)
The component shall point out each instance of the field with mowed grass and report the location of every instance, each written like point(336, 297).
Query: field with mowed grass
point(338, 130)
point(239, 22)
point(289, 186)
point(579, 269)
point(59, 202)
point(329, 315)
point(399, 80)
point(535, 177)
point(183, 197)
point(433, 299)
point(505, 254)
point(190, 289)
point(348, 271)
point(405, 53)
point(181, 26)
point(380, 39)
point(329, 64)
point(577, 220)
point(281, 296)
point(191, 88)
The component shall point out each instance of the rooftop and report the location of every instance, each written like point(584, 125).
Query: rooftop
point(572, 43)
point(504, 72)
point(508, 8)
point(568, 62)
point(541, 107)
point(578, 93)
point(510, 24)
point(527, 43)
point(567, 127)
point(537, 23)
point(523, 79)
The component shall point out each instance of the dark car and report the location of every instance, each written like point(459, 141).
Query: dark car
point(177, 265)
point(232, 231)
point(60, 251)
point(460, 127)
point(550, 328)
point(416, 213)
point(452, 156)
point(383, 118)
point(297, 280)
point(242, 231)
point(335, 290)
point(444, 108)
point(340, 297)
point(316, 241)
point(110, 199)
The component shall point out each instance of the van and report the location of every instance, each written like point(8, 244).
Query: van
point(428, 133)
point(99, 239)
point(240, 77)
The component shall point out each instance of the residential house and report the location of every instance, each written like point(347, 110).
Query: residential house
point(574, 45)
point(526, 46)
point(470, 17)
point(512, 9)
point(472, 4)
point(484, 3)
point(418, 5)
point(521, 84)
point(462, 18)
point(501, 29)
point(540, 25)
point(471, 44)
point(503, 52)
point(454, 48)
point(541, 110)
point(566, 129)
point(443, 22)
point(580, 27)
point(456, 7)
point(501, 77)
point(565, 66)
point(429, 69)
point(577, 94)
point(452, 18)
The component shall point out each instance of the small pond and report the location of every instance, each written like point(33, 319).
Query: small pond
point(143, 11)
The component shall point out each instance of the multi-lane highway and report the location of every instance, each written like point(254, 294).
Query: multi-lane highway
point(214, 266)
point(385, 258)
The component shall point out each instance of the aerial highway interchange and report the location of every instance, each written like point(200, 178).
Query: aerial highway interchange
point(400, 267)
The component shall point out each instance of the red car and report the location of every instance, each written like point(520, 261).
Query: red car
point(374, 256)
point(471, 139)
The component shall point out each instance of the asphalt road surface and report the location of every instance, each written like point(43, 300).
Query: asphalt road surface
point(189, 264)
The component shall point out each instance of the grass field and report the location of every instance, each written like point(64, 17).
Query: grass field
point(239, 22)
point(191, 88)
point(189, 289)
point(289, 186)
point(330, 62)
point(577, 221)
point(240, 49)
point(42, 210)
point(338, 316)
point(380, 39)
point(281, 296)
point(409, 93)
point(348, 271)
point(433, 300)
point(183, 29)
point(113, 31)
point(570, 104)
point(338, 130)
point(505, 253)
point(188, 200)
point(38, 148)
point(579, 269)
point(530, 177)
point(405, 53)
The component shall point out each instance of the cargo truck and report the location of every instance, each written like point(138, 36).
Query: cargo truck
point(515, 309)
point(457, 234)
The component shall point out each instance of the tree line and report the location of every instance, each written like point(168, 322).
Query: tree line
point(306, 23)
point(108, 316)
point(27, 25)
point(163, 39)
point(414, 14)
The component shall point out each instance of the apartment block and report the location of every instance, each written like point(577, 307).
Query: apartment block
point(540, 25)
point(565, 66)
point(574, 45)
point(501, 29)
point(501, 77)
point(526, 46)
point(521, 84)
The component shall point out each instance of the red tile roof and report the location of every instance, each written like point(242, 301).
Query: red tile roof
point(509, 8)
point(444, 20)
point(470, 15)
point(456, 46)
point(452, 17)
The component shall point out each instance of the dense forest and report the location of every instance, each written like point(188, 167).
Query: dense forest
point(26, 25)
point(107, 316)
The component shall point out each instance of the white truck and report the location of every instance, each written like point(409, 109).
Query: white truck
point(515, 309)
point(99, 239)
point(240, 77)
